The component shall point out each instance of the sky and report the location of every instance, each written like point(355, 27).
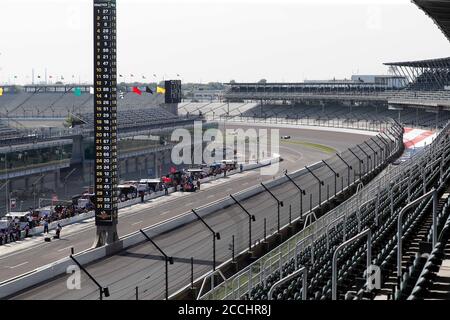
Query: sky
point(218, 40)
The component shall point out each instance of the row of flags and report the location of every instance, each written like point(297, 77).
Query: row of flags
point(73, 76)
point(149, 90)
point(136, 90)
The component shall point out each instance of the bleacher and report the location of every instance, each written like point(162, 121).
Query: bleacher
point(407, 116)
point(11, 136)
point(214, 109)
point(418, 271)
point(137, 118)
point(60, 104)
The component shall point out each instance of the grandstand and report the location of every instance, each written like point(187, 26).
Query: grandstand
point(214, 109)
point(421, 100)
point(427, 84)
point(310, 112)
point(138, 118)
point(59, 101)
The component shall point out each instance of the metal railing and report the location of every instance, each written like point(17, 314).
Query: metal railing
point(376, 124)
point(241, 283)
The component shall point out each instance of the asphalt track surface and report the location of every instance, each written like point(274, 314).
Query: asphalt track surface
point(143, 266)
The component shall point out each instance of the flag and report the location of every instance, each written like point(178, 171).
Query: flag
point(15, 77)
point(148, 89)
point(91, 90)
point(62, 78)
point(77, 92)
point(50, 77)
point(160, 90)
point(39, 77)
point(143, 77)
point(137, 91)
point(120, 75)
point(1, 92)
point(131, 75)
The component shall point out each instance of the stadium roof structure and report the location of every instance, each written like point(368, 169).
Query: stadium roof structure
point(424, 74)
point(438, 11)
point(429, 63)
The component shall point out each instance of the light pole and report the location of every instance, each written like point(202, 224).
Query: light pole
point(349, 167)
point(301, 193)
point(375, 154)
point(1, 187)
point(34, 189)
point(251, 218)
point(65, 181)
point(360, 161)
point(167, 261)
point(368, 158)
point(216, 235)
point(383, 153)
point(279, 205)
point(102, 290)
point(336, 175)
point(7, 182)
point(321, 183)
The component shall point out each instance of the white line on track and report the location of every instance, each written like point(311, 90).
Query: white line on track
point(165, 212)
point(18, 265)
point(65, 248)
point(137, 222)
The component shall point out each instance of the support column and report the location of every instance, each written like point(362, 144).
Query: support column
point(156, 165)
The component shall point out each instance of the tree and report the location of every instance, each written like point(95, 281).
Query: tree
point(262, 81)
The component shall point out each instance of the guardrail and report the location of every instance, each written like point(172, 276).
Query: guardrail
point(376, 124)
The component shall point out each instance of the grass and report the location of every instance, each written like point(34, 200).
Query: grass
point(316, 146)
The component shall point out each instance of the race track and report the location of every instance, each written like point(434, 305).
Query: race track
point(143, 266)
